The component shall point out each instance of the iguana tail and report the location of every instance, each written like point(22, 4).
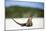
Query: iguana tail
point(19, 23)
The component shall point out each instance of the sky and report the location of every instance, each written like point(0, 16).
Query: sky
point(23, 3)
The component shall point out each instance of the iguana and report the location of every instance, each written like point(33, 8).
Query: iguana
point(29, 22)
